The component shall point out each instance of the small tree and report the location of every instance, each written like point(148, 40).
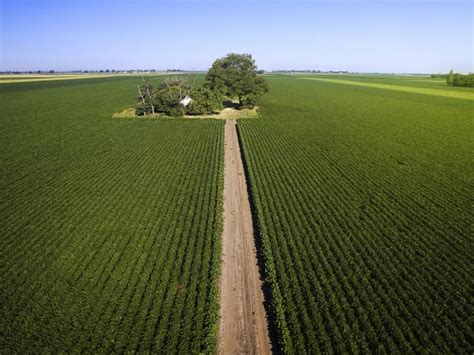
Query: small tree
point(450, 78)
point(235, 76)
point(145, 102)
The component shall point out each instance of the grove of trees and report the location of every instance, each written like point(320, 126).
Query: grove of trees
point(457, 79)
point(231, 78)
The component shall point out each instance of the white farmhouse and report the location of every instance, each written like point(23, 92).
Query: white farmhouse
point(186, 101)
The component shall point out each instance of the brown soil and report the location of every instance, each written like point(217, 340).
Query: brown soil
point(243, 325)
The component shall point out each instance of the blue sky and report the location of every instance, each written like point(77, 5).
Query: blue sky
point(355, 35)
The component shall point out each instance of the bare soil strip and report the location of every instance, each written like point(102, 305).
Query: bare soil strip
point(243, 327)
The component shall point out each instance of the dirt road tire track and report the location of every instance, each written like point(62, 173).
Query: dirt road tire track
point(243, 327)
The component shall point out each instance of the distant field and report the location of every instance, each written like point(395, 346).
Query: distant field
point(110, 227)
point(397, 80)
point(6, 79)
point(406, 86)
point(25, 78)
point(363, 195)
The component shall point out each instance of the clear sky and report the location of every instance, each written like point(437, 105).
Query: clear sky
point(355, 35)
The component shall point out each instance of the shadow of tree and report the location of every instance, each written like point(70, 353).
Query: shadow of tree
point(232, 104)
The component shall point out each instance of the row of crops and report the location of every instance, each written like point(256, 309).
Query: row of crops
point(362, 198)
point(110, 228)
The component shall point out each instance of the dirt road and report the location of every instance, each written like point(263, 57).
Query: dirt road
point(243, 324)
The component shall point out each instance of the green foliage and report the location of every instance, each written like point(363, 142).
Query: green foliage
point(235, 75)
point(110, 229)
point(465, 80)
point(439, 76)
point(363, 204)
point(169, 94)
point(205, 101)
point(256, 89)
point(450, 78)
point(165, 99)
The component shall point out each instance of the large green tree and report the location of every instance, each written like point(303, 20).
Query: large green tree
point(235, 76)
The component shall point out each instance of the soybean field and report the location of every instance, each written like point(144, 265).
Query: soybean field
point(363, 195)
point(110, 228)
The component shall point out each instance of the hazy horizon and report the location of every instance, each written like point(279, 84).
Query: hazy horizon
point(388, 36)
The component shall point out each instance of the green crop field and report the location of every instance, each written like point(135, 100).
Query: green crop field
point(361, 188)
point(363, 196)
point(110, 228)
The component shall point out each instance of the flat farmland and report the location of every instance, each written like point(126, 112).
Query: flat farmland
point(363, 199)
point(25, 78)
point(360, 192)
point(110, 228)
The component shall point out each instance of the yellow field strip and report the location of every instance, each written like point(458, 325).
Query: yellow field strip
point(427, 91)
point(51, 78)
point(6, 79)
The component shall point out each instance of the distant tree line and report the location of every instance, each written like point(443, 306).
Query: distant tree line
point(439, 76)
point(456, 79)
point(311, 71)
point(232, 79)
point(16, 72)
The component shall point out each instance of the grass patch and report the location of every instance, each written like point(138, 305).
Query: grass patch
point(229, 113)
